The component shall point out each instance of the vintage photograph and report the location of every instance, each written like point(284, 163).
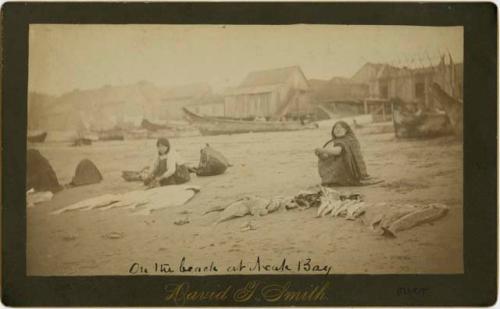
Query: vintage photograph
point(244, 149)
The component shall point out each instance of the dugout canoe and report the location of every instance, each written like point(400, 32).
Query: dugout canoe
point(151, 126)
point(219, 126)
point(111, 135)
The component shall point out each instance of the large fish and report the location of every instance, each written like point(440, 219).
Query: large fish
point(428, 214)
point(342, 209)
point(258, 206)
point(220, 207)
point(235, 210)
point(276, 204)
point(396, 213)
point(325, 207)
point(373, 214)
point(329, 200)
point(355, 211)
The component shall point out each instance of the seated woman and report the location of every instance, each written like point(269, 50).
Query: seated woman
point(343, 163)
point(168, 169)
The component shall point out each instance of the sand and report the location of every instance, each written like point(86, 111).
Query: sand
point(265, 164)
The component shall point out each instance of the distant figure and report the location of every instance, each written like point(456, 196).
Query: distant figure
point(82, 141)
point(86, 173)
point(343, 163)
point(39, 173)
point(168, 168)
point(356, 125)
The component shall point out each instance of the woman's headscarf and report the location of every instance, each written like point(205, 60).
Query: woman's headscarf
point(352, 149)
point(165, 142)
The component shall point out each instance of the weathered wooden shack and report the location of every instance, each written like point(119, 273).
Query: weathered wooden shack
point(338, 96)
point(272, 93)
point(386, 82)
point(413, 84)
point(210, 105)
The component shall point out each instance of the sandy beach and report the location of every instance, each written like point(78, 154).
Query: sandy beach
point(264, 164)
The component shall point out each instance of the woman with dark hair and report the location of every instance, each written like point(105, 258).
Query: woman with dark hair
point(168, 168)
point(342, 164)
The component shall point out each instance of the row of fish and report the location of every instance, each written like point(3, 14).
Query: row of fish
point(382, 218)
point(258, 206)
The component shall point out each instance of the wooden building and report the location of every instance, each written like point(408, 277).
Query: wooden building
point(210, 105)
point(272, 93)
point(338, 96)
point(387, 82)
point(413, 84)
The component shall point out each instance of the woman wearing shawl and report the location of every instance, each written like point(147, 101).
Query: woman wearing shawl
point(168, 168)
point(343, 163)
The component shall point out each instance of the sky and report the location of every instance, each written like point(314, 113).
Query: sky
point(63, 58)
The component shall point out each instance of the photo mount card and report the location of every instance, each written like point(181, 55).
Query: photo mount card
point(249, 154)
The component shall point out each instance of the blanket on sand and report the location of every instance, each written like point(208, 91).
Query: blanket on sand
point(140, 202)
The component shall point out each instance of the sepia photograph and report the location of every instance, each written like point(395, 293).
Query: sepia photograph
point(202, 150)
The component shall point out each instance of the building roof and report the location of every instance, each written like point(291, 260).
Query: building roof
point(367, 72)
point(338, 89)
point(389, 71)
point(251, 90)
point(315, 83)
point(270, 77)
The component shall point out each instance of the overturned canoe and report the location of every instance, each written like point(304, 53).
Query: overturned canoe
point(82, 141)
point(38, 137)
point(408, 125)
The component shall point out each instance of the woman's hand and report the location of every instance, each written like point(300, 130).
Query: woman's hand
point(155, 182)
point(326, 153)
point(145, 174)
point(151, 181)
point(321, 153)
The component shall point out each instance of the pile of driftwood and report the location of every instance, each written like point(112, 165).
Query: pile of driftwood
point(382, 218)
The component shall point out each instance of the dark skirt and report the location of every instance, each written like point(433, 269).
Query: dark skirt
point(335, 171)
point(180, 176)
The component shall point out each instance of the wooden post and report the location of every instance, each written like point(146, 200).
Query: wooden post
point(426, 94)
point(383, 110)
point(392, 111)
